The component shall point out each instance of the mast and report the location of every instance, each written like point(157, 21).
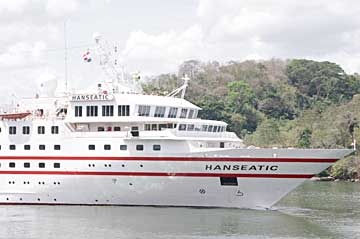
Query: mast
point(65, 59)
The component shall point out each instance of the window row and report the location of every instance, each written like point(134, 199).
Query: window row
point(144, 110)
point(139, 147)
point(27, 165)
point(106, 110)
point(155, 127)
point(40, 130)
point(28, 147)
point(203, 128)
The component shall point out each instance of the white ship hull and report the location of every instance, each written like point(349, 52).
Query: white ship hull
point(263, 177)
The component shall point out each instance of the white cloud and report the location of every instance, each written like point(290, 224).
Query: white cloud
point(60, 8)
point(238, 30)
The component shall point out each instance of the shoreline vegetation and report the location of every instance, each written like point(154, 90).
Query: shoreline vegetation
point(277, 103)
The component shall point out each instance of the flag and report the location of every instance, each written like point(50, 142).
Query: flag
point(87, 57)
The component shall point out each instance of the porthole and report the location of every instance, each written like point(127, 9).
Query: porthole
point(139, 147)
point(42, 147)
point(12, 165)
point(107, 147)
point(123, 147)
point(41, 165)
point(91, 147)
point(26, 147)
point(56, 165)
point(156, 147)
point(12, 146)
point(57, 147)
point(26, 165)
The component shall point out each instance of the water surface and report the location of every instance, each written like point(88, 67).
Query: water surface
point(314, 210)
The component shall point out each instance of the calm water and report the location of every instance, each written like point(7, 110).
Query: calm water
point(315, 210)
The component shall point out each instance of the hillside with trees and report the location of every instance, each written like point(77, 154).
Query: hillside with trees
point(275, 103)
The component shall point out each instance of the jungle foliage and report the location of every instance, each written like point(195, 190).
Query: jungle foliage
point(275, 103)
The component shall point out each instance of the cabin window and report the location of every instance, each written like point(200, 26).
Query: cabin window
point(147, 127)
point(26, 130)
point(107, 110)
point(191, 114)
point(41, 129)
point(0, 129)
point(210, 128)
point(41, 165)
point(117, 128)
point(183, 113)
point(91, 147)
point(78, 111)
point(190, 127)
point(101, 129)
point(197, 128)
point(12, 146)
point(162, 126)
point(154, 127)
point(12, 165)
point(26, 147)
point(219, 129)
point(12, 130)
point(56, 165)
point(54, 129)
point(57, 147)
point(123, 110)
point(222, 145)
point(156, 147)
point(123, 147)
point(172, 112)
point(144, 110)
point(159, 111)
point(139, 147)
point(204, 128)
point(107, 147)
point(26, 165)
point(182, 127)
point(92, 111)
point(42, 147)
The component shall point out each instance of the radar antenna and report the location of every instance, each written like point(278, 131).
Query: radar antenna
point(181, 89)
point(112, 64)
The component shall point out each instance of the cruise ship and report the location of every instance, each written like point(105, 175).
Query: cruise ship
point(113, 145)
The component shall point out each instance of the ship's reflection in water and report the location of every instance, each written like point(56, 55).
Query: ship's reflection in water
point(303, 214)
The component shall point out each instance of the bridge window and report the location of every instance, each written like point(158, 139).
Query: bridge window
point(12, 130)
point(190, 127)
point(215, 128)
point(78, 111)
point(123, 110)
point(26, 130)
point(107, 110)
point(147, 127)
point(144, 110)
point(210, 128)
point(159, 111)
point(204, 128)
point(92, 111)
point(154, 127)
point(172, 112)
point(182, 127)
point(183, 113)
point(54, 129)
point(191, 114)
point(41, 129)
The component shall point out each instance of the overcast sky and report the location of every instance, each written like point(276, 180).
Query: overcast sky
point(155, 36)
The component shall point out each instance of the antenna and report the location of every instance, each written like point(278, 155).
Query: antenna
point(65, 59)
point(182, 88)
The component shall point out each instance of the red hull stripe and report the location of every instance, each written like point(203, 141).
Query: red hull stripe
point(264, 160)
point(159, 174)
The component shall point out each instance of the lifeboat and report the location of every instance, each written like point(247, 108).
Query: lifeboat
point(14, 116)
